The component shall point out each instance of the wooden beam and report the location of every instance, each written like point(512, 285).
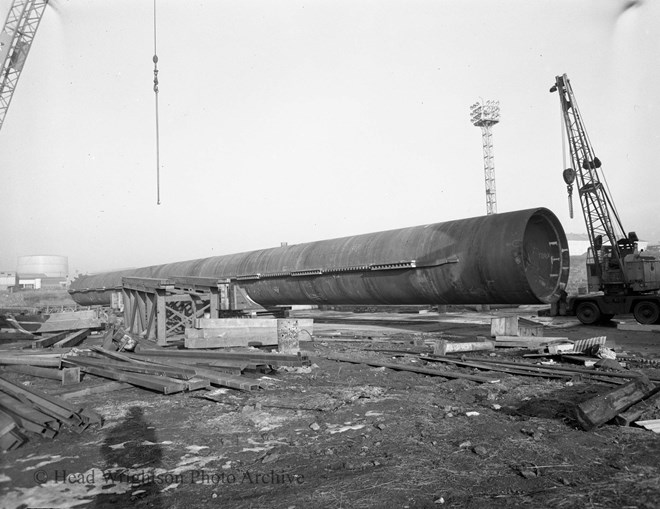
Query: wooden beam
point(30, 360)
point(69, 325)
point(604, 407)
point(153, 369)
point(226, 366)
point(146, 381)
point(49, 340)
point(52, 374)
point(88, 391)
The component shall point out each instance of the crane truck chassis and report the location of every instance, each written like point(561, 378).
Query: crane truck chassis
point(592, 309)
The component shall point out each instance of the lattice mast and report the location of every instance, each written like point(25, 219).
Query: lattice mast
point(486, 115)
point(15, 42)
point(602, 219)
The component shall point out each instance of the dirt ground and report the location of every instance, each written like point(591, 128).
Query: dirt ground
point(343, 435)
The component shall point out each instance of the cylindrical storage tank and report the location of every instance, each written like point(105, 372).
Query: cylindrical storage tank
point(54, 266)
point(516, 257)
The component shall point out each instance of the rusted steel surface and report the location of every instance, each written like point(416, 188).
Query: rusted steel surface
point(516, 257)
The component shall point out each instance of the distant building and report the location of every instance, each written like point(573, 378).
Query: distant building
point(42, 272)
point(7, 280)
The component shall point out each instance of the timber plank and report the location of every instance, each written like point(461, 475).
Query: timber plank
point(30, 360)
point(73, 339)
point(635, 412)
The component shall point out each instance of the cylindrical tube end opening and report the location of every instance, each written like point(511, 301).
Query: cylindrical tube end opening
point(545, 256)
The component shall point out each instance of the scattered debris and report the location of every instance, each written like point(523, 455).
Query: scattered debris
point(650, 402)
point(403, 367)
point(582, 345)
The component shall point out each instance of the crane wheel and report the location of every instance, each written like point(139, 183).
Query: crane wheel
point(647, 312)
point(588, 313)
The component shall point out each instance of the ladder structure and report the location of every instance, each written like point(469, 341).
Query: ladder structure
point(15, 42)
point(486, 115)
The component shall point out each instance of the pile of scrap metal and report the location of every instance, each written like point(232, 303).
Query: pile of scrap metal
point(25, 411)
point(176, 371)
point(157, 370)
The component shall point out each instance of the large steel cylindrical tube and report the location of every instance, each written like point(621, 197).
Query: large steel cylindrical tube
point(516, 257)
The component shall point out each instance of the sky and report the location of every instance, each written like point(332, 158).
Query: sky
point(296, 121)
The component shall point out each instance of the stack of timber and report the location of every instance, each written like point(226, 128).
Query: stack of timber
point(237, 332)
point(231, 332)
point(515, 326)
point(25, 411)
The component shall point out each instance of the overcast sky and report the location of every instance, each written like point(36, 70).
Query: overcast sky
point(306, 120)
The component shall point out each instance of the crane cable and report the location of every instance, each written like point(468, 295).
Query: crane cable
point(155, 60)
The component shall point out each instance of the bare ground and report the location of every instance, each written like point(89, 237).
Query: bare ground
point(351, 436)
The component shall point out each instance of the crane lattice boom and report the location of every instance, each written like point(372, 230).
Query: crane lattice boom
point(15, 42)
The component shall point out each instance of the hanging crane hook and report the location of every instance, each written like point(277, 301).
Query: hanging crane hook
point(569, 177)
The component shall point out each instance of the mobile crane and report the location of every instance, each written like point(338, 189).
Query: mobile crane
point(620, 279)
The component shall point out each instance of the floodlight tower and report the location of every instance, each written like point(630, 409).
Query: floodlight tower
point(486, 115)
